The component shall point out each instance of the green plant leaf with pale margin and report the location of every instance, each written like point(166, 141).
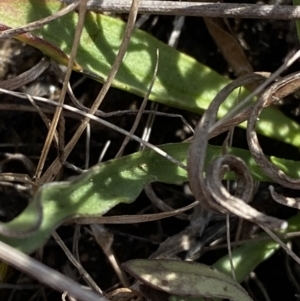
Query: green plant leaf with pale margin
point(245, 259)
point(181, 81)
point(107, 184)
point(184, 278)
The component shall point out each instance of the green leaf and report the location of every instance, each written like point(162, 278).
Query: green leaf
point(185, 279)
point(95, 192)
point(247, 257)
point(107, 184)
point(181, 81)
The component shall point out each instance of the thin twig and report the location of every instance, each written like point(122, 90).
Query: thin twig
point(26, 77)
point(56, 165)
point(132, 219)
point(105, 240)
point(282, 244)
point(182, 8)
point(78, 266)
point(44, 117)
point(142, 108)
point(256, 92)
point(100, 121)
point(26, 108)
point(57, 114)
point(160, 204)
point(45, 275)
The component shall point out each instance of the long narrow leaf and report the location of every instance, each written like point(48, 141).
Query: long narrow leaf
point(105, 185)
point(181, 81)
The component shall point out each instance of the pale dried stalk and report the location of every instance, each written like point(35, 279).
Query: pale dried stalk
point(282, 244)
point(57, 114)
point(77, 264)
point(131, 219)
point(183, 8)
point(160, 204)
point(26, 77)
point(46, 275)
point(232, 114)
point(52, 171)
point(105, 240)
point(100, 121)
point(141, 110)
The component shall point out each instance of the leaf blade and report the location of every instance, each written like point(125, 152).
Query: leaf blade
point(181, 81)
point(184, 278)
point(107, 184)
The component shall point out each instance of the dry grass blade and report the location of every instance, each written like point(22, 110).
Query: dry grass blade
point(51, 109)
point(197, 151)
point(27, 163)
point(160, 204)
point(44, 117)
point(282, 244)
point(56, 165)
point(141, 110)
point(105, 239)
point(98, 120)
point(57, 114)
point(244, 191)
point(132, 219)
point(229, 46)
point(77, 264)
point(26, 77)
point(123, 294)
point(45, 275)
point(13, 177)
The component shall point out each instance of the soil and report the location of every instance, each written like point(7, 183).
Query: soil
point(267, 44)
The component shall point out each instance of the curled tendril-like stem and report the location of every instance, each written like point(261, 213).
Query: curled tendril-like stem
point(290, 202)
point(276, 91)
point(209, 191)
